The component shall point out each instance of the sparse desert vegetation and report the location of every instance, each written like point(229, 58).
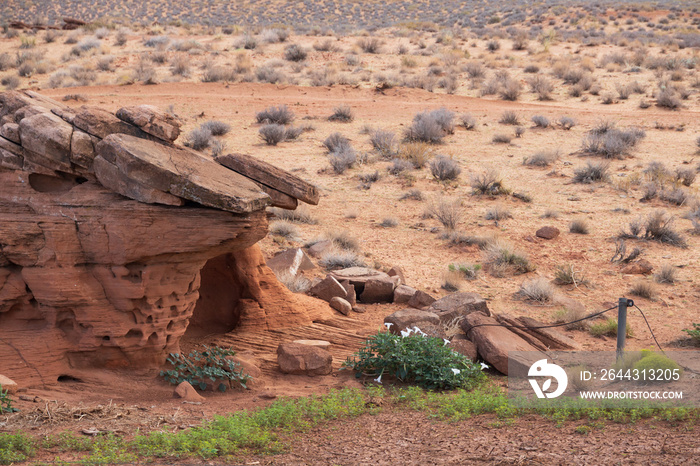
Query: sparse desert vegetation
point(442, 137)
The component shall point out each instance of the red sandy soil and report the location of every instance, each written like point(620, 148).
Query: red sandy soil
point(409, 437)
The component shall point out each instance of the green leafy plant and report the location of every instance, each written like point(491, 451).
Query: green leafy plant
point(694, 332)
point(202, 368)
point(414, 358)
point(5, 402)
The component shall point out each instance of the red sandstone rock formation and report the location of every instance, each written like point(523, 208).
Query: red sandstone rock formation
point(113, 240)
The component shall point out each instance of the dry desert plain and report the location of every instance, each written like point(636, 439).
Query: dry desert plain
point(580, 118)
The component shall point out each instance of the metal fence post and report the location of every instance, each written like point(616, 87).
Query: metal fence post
point(622, 325)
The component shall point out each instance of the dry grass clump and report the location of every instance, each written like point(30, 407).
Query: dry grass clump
point(567, 275)
point(417, 153)
point(488, 183)
point(498, 213)
point(541, 86)
point(667, 274)
point(572, 314)
point(341, 259)
point(279, 115)
point(389, 222)
point(343, 239)
point(369, 44)
point(342, 114)
point(685, 176)
point(398, 166)
point(591, 173)
point(502, 259)
point(509, 117)
point(538, 289)
point(446, 211)
point(543, 158)
point(656, 227)
point(644, 290)
point(501, 139)
point(413, 195)
point(299, 215)
point(217, 128)
point(384, 142)
point(444, 168)
point(294, 283)
point(451, 281)
point(579, 227)
point(284, 229)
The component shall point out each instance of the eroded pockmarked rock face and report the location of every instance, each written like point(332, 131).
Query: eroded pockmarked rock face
point(92, 279)
point(106, 227)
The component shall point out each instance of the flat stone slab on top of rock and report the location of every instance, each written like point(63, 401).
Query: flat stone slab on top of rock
point(182, 173)
point(358, 276)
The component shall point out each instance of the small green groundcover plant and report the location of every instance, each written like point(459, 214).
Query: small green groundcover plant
point(5, 402)
point(415, 358)
point(694, 332)
point(200, 369)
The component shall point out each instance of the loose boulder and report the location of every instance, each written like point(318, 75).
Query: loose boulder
point(420, 300)
point(302, 359)
point(458, 305)
point(408, 318)
point(8, 384)
point(187, 392)
point(341, 305)
point(640, 267)
point(328, 288)
point(547, 232)
point(403, 294)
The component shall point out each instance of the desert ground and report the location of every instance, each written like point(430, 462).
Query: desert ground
point(525, 93)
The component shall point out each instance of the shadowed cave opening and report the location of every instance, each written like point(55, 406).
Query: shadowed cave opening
point(218, 308)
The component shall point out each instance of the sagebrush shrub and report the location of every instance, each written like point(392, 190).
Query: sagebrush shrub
point(198, 138)
point(336, 142)
point(444, 168)
point(280, 115)
point(384, 142)
point(295, 52)
point(272, 134)
point(430, 127)
point(217, 128)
